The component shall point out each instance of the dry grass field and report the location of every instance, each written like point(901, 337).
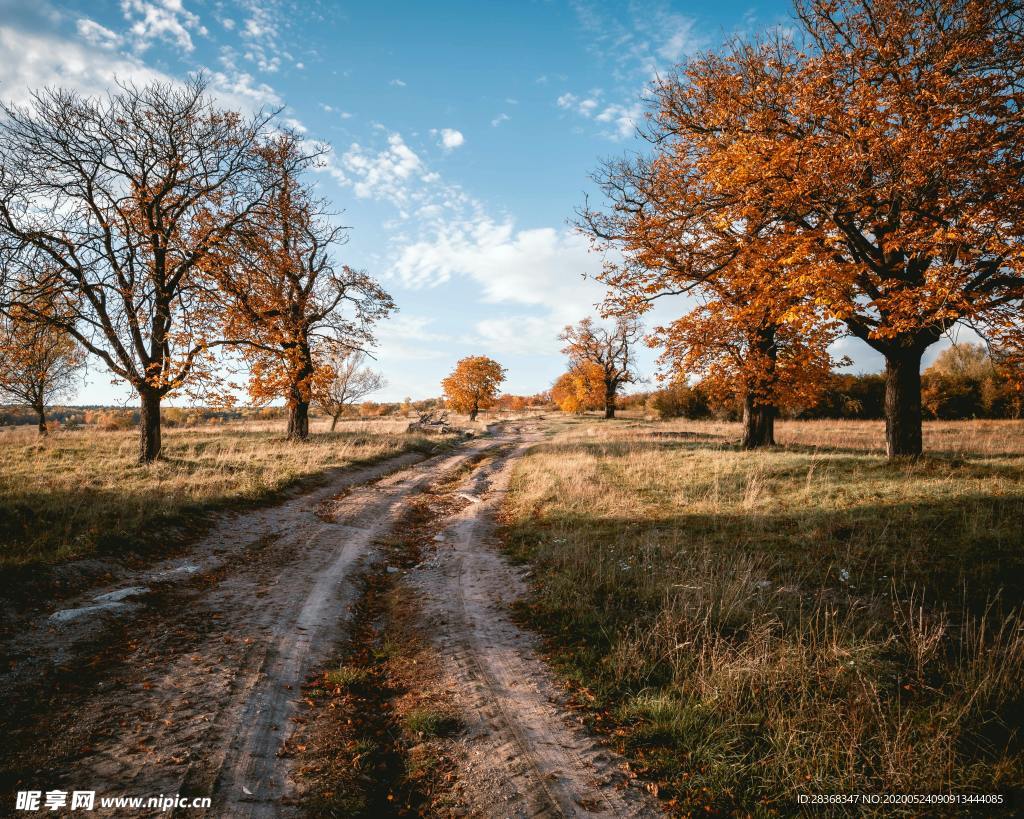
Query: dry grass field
point(811, 619)
point(77, 493)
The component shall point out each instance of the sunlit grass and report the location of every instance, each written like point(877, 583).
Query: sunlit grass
point(806, 619)
point(78, 492)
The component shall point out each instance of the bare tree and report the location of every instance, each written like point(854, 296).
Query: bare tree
point(351, 382)
point(38, 364)
point(611, 350)
point(108, 207)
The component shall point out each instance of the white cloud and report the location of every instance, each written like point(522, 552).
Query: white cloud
point(396, 174)
point(584, 106)
point(261, 33)
point(519, 335)
point(228, 23)
point(382, 174)
point(500, 119)
point(240, 90)
point(680, 40)
point(451, 139)
point(539, 269)
point(624, 118)
point(166, 20)
point(50, 60)
point(36, 60)
point(397, 83)
point(97, 35)
point(650, 40)
point(539, 266)
point(330, 109)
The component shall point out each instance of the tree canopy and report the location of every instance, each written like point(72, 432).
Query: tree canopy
point(473, 385)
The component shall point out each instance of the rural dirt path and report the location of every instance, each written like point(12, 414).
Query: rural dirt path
point(187, 678)
point(523, 754)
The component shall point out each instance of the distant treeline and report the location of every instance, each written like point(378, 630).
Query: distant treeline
point(964, 382)
point(115, 418)
point(943, 397)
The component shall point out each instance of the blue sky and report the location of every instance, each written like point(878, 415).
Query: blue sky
point(462, 137)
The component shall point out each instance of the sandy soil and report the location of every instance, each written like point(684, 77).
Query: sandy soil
point(186, 678)
point(523, 754)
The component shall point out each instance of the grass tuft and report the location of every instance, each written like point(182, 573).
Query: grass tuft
point(429, 722)
point(347, 676)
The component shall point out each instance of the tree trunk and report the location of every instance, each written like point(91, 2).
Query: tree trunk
point(759, 414)
point(473, 413)
point(149, 426)
point(758, 423)
point(609, 402)
point(334, 420)
point(298, 420)
point(903, 402)
point(41, 412)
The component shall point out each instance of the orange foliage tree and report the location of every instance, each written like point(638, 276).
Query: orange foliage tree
point(610, 350)
point(580, 389)
point(757, 335)
point(888, 141)
point(286, 302)
point(38, 363)
point(741, 351)
point(108, 208)
point(473, 385)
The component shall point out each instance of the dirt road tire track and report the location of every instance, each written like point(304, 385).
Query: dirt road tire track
point(204, 700)
point(523, 756)
point(205, 697)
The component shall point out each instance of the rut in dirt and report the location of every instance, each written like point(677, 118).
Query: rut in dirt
point(521, 752)
point(524, 753)
point(194, 687)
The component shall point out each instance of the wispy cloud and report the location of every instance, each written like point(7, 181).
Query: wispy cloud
point(166, 20)
point(643, 42)
point(97, 35)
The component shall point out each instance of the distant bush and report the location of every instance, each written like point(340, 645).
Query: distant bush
point(679, 401)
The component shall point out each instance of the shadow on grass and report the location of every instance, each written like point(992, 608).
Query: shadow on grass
point(921, 547)
point(607, 596)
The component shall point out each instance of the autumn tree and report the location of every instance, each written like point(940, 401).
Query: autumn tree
point(612, 350)
point(473, 385)
point(108, 206)
point(287, 303)
point(38, 363)
point(966, 381)
point(740, 351)
point(888, 135)
point(754, 330)
point(349, 381)
point(580, 389)
point(964, 361)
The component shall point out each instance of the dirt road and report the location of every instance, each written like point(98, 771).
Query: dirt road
point(186, 678)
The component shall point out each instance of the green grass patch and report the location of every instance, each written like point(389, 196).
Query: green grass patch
point(429, 722)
